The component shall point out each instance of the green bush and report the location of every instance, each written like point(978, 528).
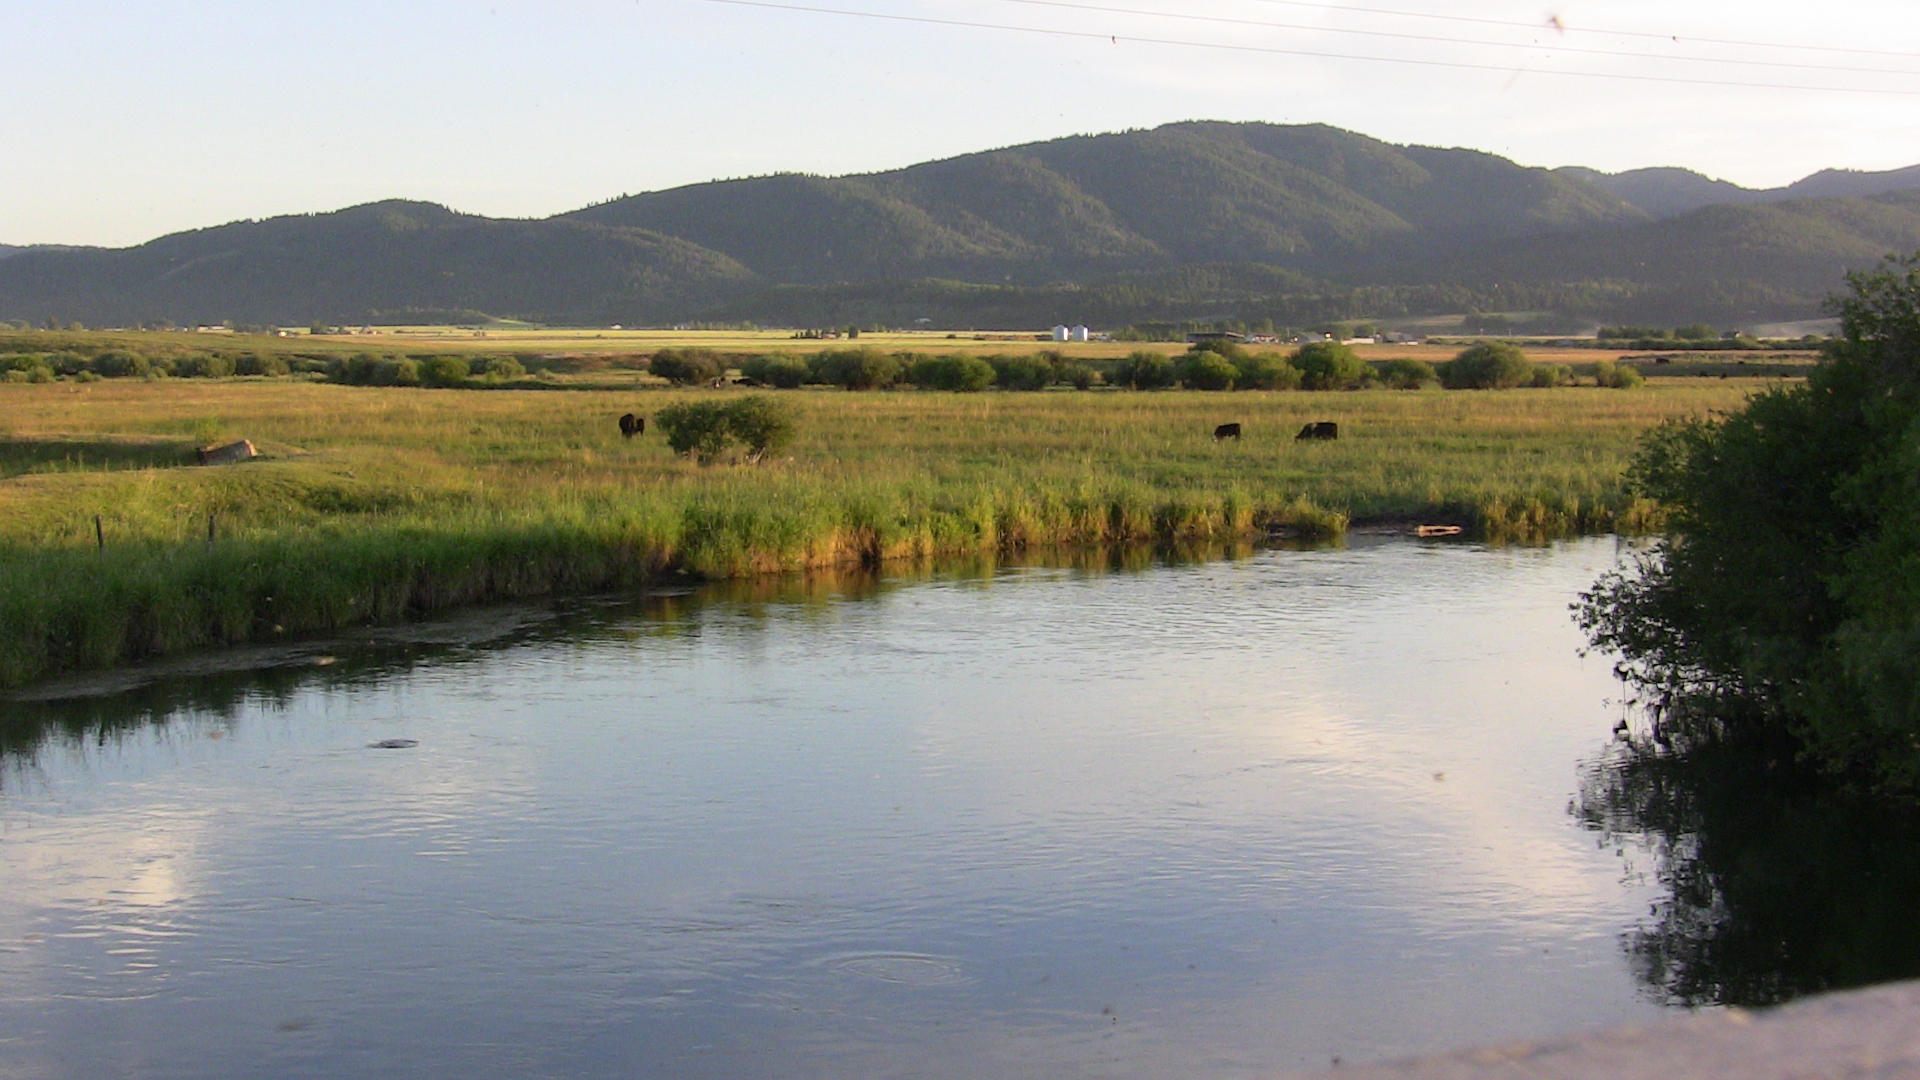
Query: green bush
point(1022, 372)
point(1075, 373)
point(856, 369)
point(1785, 604)
point(1617, 376)
point(706, 429)
point(444, 370)
point(685, 367)
point(366, 369)
point(960, 374)
point(1490, 365)
point(1207, 370)
point(496, 368)
point(259, 364)
point(204, 366)
point(1550, 375)
point(119, 364)
point(1326, 365)
point(781, 370)
point(1266, 371)
point(1406, 373)
point(1144, 369)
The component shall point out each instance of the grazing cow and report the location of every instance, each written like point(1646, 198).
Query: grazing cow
point(631, 425)
point(1324, 429)
point(1226, 431)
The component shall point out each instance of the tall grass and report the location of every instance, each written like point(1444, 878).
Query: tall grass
point(374, 505)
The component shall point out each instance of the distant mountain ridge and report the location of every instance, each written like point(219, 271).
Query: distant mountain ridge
point(1189, 220)
point(1669, 192)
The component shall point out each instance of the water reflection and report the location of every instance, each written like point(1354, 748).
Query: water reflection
point(1207, 816)
point(1777, 885)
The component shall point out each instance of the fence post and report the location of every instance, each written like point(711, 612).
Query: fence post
point(99, 535)
point(210, 520)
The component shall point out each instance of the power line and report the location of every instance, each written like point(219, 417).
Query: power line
point(1587, 30)
point(1458, 41)
point(1312, 53)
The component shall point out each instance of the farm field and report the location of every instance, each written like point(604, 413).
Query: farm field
point(374, 504)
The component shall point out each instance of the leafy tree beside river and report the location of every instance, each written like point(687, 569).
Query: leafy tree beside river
point(1785, 600)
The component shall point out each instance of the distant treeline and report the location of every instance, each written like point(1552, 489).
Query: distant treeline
point(1210, 365)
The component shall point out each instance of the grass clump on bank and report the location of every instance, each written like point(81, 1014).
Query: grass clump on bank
point(380, 503)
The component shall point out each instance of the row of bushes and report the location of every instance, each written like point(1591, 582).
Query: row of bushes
point(444, 370)
point(1207, 366)
point(122, 364)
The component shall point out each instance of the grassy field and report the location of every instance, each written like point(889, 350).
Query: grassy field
point(374, 504)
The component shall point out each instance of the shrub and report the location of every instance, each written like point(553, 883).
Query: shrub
point(1207, 370)
point(1267, 371)
point(1406, 373)
point(1022, 372)
point(1546, 375)
point(1617, 376)
point(206, 366)
point(960, 374)
point(1490, 365)
point(497, 368)
point(444, 370)
point(762, 424)
point(116, 364)
point(1144, 369)
point(782, 370)
point(1325, 365)
point(1076, 373)
point(705, 429)
point(256, 364)
point(1231, 351)
point(685, 367)
point(856, 369)
point(366, 369)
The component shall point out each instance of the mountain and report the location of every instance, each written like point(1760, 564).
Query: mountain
point(1669, 192)
point(1190, 220)
point(1732, 263)
point(360, 263)
point(1310, 197)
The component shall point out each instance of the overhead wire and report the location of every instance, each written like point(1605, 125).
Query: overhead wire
point(1311, 53)
point(1457, 41)
point(1315, 4)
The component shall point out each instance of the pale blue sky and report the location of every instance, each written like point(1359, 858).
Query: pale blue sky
point(120, 121)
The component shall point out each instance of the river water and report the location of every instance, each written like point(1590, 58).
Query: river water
point(1216, 819)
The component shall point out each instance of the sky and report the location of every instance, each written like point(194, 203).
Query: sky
point(121, 121)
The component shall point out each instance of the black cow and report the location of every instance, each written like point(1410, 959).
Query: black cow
point(631, 425)
point(1324, 429)
point(1226, 431)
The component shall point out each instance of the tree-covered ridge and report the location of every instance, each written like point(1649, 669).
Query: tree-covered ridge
point(1201, 220)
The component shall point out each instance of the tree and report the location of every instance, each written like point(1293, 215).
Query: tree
point(1144, 369)
point(706, 429)
point(686, 367)
point(1207, 370)
point(960, 374)
point(1786, 596)
point(1490, 365)
point(1406, 373)
point(856, 369)
point(1325, 365)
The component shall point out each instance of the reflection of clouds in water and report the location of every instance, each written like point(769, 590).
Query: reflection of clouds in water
point(1202, 796)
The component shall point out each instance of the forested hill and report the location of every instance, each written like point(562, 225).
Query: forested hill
point(1309, 197)
point(397, 260)
point(1189, 220)
point(1667, 192)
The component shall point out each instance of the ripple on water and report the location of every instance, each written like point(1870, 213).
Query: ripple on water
point(899, 968)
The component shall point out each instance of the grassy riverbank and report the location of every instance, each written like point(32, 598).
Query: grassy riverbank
point(375, 504)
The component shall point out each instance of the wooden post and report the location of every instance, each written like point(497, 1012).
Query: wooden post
point(99, 534)
point(210, 520)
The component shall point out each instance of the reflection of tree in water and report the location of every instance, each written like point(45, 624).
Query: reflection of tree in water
point(1778, 884)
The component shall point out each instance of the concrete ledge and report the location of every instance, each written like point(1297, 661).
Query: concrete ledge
point(1859, 1034)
